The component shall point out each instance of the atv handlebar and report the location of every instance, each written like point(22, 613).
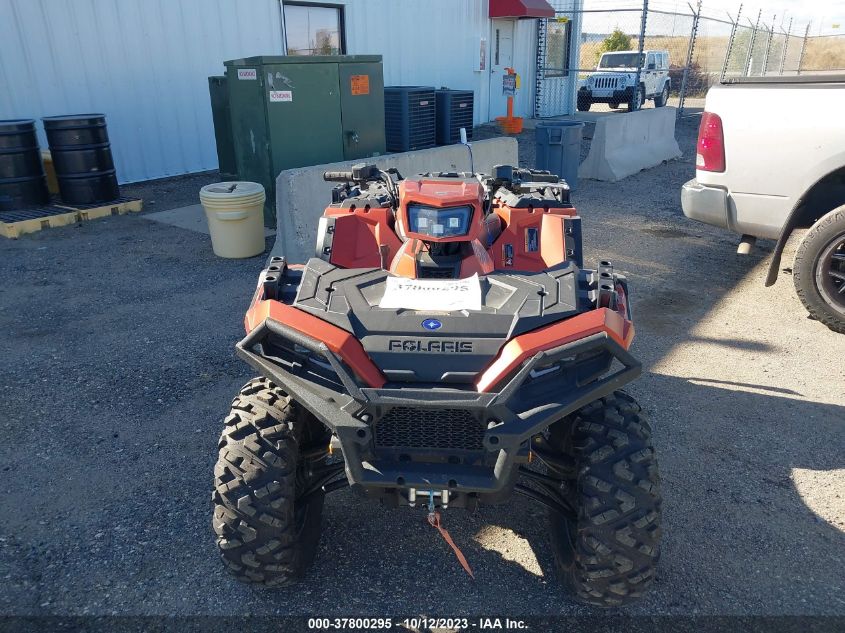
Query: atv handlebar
point(360, 173)
point(337, 176)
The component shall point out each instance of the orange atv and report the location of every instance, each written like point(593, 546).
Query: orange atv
point(447, 340)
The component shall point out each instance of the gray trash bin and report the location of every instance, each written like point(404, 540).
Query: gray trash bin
point(559, 148)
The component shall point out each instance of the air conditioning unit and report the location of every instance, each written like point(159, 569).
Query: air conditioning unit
point(454, 111)
point(409, 117)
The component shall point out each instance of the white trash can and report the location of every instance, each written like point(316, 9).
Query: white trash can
point(235, 214)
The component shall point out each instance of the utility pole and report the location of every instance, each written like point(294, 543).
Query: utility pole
point(785, 46)
point(803, 48)
point(730, 43)
point(641, 48)
point(696, 14)
point(748, 58)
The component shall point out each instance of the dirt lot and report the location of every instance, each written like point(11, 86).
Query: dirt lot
point(117, 345)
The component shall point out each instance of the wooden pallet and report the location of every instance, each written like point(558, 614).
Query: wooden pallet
point(121, 206)
point(13, 224)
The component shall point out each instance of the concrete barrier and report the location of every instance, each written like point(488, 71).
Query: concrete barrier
point(302, 195)
point(624, 144)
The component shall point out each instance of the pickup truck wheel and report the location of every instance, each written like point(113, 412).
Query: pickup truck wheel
point(267, 530)
point(663, 98)
point(819, 270)
point(607, 553)
point(637, 99)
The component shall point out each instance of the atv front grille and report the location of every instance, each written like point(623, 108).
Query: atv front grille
point(436, 272)
point(406, 427)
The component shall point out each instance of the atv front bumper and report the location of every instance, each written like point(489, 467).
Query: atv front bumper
point(490, 431)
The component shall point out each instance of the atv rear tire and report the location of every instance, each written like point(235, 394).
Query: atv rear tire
point(264, 533)
point(819, 270)
point(607, 557)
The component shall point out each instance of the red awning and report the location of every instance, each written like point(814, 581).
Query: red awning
point(521, 9)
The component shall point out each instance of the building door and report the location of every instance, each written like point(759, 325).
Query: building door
point(501, 57)
point(650, 75)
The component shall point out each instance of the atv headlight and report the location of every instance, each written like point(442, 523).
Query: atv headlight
point(439, 222)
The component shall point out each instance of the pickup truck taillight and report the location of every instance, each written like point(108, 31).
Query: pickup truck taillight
point(710, 152)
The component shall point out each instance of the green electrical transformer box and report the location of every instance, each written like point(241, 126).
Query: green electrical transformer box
point(293, 111)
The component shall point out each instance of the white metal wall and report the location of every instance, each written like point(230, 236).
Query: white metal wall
point(143, 63)
point(436, 43)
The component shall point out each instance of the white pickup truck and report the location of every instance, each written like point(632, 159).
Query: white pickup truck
point(770, 160)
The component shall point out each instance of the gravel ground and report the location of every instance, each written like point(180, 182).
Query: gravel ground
point(118, 338)
point(170, 193)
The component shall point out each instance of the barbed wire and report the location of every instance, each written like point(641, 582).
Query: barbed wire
point(784, 23)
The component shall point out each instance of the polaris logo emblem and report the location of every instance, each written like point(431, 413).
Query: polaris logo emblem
point(432, 324)
point(432, 347)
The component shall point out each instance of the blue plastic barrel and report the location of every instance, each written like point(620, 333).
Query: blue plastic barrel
point(559, 148)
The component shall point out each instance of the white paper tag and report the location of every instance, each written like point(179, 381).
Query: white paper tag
point(281, 95)
point(247, 73)
point(435, 295)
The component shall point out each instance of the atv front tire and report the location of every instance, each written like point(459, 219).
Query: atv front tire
point(607, 555)
point(265, 534)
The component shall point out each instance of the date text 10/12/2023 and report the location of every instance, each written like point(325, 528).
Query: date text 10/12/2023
point(418, 623)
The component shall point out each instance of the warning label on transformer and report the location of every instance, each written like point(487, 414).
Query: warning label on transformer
point(277, 96)
point(247, 73)
point(360, 84)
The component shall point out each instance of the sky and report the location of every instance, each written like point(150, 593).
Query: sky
point(823, 14)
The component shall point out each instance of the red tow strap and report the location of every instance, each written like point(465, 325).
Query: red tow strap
point(434, 521)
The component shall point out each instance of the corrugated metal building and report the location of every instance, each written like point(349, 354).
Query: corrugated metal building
point(144, 63)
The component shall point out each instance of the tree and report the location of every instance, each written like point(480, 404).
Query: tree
point(616, 41)
point(324, 43)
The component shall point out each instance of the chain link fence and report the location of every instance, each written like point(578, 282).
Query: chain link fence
point(608, 55)
point(761, 47)
point(612, 55)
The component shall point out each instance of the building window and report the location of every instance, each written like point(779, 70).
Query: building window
point(557, 47)
point(314, 29)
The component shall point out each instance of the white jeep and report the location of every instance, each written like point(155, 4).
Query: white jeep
point(616, 75)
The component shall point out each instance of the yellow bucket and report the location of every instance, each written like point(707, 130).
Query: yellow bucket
point(235, 214)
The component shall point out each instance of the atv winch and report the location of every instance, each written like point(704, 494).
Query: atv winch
point(447, 338)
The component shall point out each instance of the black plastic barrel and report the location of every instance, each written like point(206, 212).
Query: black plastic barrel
point(82, 158)
point(22, 182)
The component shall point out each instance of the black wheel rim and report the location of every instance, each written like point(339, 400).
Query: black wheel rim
point(830, 273)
